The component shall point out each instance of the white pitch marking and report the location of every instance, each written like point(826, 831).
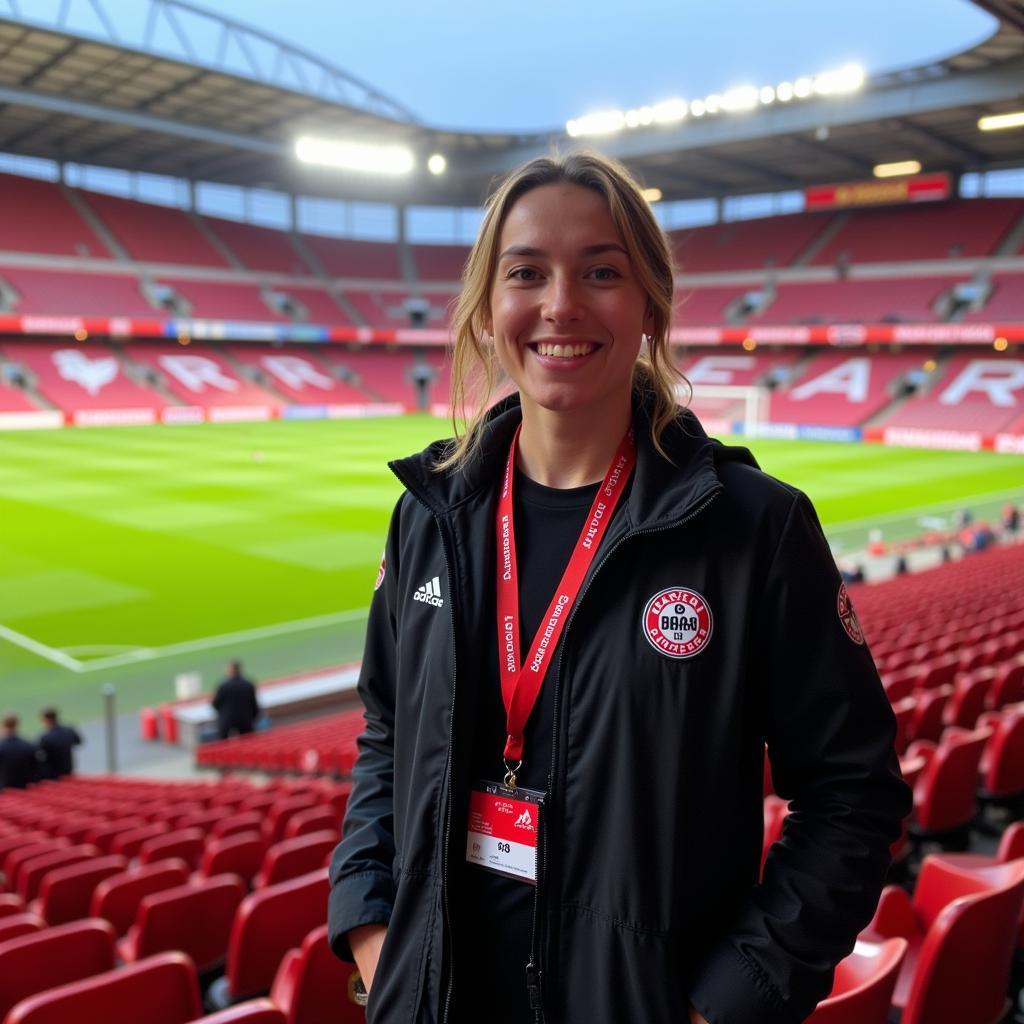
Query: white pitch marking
point(207, 642)
point(50, 653)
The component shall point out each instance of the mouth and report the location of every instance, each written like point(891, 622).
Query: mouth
point(567, 351)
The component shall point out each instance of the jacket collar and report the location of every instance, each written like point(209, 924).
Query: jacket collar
point(662, 491)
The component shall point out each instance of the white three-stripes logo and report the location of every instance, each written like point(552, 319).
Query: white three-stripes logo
point(430, 593)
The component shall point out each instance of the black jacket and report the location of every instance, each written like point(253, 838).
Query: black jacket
point(18, 763)
point(236, 704)
point(649, 895)
point(55, 748)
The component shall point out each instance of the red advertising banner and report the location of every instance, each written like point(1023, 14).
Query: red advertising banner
point(917, 189)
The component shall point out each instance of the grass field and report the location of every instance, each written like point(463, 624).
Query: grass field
point(128, 555)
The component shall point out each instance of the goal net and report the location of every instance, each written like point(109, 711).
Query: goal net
point(726, 408)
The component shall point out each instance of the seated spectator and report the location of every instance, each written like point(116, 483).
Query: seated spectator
point(1011, 518)
point(55, 746)
point(235, 703)
point(18, 764)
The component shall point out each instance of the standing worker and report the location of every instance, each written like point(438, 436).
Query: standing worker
point(589, 621)
point(56, 743)
point(235, 703)
point(19, 764)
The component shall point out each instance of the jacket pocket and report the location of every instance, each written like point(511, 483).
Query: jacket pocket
point(398, 984)
point(610, 972)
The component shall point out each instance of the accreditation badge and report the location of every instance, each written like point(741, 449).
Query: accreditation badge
point(503, 831)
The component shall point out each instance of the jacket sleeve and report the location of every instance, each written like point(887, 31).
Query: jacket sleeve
point(362, 886)
point(830, 734)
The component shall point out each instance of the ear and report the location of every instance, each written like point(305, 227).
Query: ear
point(487, 323)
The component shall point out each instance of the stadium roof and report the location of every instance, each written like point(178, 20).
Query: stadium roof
point(167, 108)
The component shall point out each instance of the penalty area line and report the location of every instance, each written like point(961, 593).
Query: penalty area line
point(220, 640)
point(50, 653)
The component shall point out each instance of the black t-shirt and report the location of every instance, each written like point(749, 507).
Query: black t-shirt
point(494, 915)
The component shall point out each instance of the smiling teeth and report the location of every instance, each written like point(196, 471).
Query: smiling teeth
point(565, 351)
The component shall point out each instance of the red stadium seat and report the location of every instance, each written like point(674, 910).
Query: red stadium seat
point(10, 904)
point(863, 985)
point(961, 926)
point(65, 893)
point(313, 985)
point(293, 857)
point(967, 702)
point(195, 919)
point(244, 821)
point(103, 835)
point(160, 990)
point(316, 819)
point(24, 923)
point(22, 854)
point(904, 712)
point(255, 1011)
point(240, 853)
point(128, 843)
point(1002, 763)
point(117, 898)
point(281, 813)
point(1007, 684)
point(32, 872)
point(945, 797)
point(22, 837)
point(270, 922)
point(185, 844)
point(54, 956)
point(929, 707)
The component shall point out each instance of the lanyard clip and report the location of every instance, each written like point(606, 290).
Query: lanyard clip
point(510, 774)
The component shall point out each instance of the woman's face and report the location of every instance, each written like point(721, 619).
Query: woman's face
point(567, 311)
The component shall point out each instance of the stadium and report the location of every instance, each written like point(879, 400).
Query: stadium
point(226, 293)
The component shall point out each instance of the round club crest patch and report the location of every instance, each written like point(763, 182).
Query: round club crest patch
point(848, 617)
point(380, 574)
point(677, 622)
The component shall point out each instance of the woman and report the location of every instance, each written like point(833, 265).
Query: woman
point(589, 621)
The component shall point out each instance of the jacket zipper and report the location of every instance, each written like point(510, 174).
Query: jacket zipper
point(533, 970)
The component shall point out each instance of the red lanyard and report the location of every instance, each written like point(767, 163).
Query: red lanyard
point(521, 682)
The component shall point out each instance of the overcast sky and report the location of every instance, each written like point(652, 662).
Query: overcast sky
point(532, 65)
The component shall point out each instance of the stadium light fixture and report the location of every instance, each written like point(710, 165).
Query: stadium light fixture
point(999, 122)
point(749, 344)
point(1000, 344)
point(354, 156)
point(437, 164)
point(652, 195)
point(81, 334)
point(898, 169)
point(739, 99)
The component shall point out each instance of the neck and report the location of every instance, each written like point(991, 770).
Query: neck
point(570, 449)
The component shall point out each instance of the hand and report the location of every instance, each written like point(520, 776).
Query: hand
point(366, 942)
point(696, 1018)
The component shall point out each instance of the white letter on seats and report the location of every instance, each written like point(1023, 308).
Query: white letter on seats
point(849, 378)
point(195, 371)
point(717, 369)
point(1007, 376)
point(295, 372)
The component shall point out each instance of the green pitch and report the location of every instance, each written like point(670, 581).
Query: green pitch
point(128, 555)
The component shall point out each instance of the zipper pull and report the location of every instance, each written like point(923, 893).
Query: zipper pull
point(533, 975)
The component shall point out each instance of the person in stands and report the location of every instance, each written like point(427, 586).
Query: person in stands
point(589, 622)
point(56, 744)
point(19, 766)
point(236, 703)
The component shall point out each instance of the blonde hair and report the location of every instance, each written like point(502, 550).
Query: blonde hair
point(476, 374)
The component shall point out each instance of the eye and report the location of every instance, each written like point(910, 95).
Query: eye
point(605, 273)
point(522, 274)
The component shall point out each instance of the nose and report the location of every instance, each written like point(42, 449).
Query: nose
point(562, 302)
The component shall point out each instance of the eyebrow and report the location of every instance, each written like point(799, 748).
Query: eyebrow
point(590, 250)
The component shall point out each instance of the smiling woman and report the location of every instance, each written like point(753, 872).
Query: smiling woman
point(557, 808)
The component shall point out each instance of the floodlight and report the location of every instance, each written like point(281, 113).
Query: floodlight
point(652, 195)
point(1000, 344)
point(601, 122)
point(784, 92)
point(848, 78)
point(743, 97)
point(698, 108)
point(437, 164)
point(899, 169)
point(803, 87)
point(669, 110)
point(767, 94)
point(998, 122)
point(354, 156)
point(81, 334)
point(713, 103)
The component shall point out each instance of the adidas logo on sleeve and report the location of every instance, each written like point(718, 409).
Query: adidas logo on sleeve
point(430, 593)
